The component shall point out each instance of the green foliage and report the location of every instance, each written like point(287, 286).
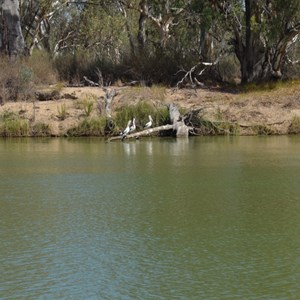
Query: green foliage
point(40, 129)
point(86, 104)
point(263, 130)
point(89, 127)
point(140, 112)
point(88, 107)
point(204, 126)
point(25, 75)
point(12, 125)
point(198, 31)
point(62, 112)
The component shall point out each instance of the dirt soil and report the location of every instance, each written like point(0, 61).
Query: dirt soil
point(273, 109)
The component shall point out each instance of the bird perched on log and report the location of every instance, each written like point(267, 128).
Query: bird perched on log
point(149, 124)
point(126, 130)
point(132, 127)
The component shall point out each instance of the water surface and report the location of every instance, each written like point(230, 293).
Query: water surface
point(203, 218)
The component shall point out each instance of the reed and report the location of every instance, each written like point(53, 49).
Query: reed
point(12, 125)
point(62, 112)
point(41, 129)
point(89, 127)
point(140, 112)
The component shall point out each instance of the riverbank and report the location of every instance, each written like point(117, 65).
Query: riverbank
point(265, 111)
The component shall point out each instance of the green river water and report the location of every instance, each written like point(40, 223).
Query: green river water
point(203, 218)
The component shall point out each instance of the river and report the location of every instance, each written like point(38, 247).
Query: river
point(198, 218)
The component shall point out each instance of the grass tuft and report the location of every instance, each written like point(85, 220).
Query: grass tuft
point(89, 127)
point(263, 130)
point(11, 125)
point(62, 112)
point(140, 112)
point(41, 129)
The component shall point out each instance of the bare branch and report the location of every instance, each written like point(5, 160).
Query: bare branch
point(90, 82)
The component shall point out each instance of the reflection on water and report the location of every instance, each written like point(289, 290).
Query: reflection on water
point(198, 218)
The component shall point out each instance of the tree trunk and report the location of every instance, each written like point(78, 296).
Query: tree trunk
point(205, 45)
point(179, 126)
point(141, 37)
point(251, 56)
point(12, 41)
point(259, 60)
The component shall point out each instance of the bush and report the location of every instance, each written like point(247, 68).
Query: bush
point(140, 112)
point(41, 66)
point(40, 129)
point(9, 80)
point(294, 127)
point(62, 112)
point(89, 127)
point(263, 130)
point(18, 77)
point(12, 125)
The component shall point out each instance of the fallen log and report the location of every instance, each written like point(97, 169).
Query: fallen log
point(178, 126)
point(146, 132)
point(47, 95)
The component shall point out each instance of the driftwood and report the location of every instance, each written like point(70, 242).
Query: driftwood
point(90, 82)
point(109, 96)
point(178, 123)
point(46, 96)
point(147, 132)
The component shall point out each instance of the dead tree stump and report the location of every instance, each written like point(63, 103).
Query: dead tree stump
point(179, 127)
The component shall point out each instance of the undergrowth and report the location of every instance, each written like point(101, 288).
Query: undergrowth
point(89, 127)
point(40, 129)
point(266, 86)
point(140, 112)
point(11, 125)
point(294, 127)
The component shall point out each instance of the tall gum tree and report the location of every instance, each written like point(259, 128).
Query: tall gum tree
point(11, 37)
point(263, 31)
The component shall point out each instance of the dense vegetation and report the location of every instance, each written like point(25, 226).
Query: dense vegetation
point(172, 42)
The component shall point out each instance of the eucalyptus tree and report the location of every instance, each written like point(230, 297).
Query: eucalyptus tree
point(38, 18)
point(11, 37)
point(263, 32)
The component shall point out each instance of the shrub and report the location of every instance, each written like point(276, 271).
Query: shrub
point(18, 77)
point(40, 129)
point(294, 127)
point(41, 67)
point(263, 130)
point(12, 125)
point(62, 112)
point(88, 107)
point(9, 80)
point(140, 112)
point(89, 127)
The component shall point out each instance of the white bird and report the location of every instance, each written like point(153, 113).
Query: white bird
point(149, 124)
point(127, 129)
point(132, 127)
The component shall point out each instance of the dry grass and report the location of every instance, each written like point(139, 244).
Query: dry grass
point(154, 93)
point(42, 69)
point(18, 78)
point(258, 108)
